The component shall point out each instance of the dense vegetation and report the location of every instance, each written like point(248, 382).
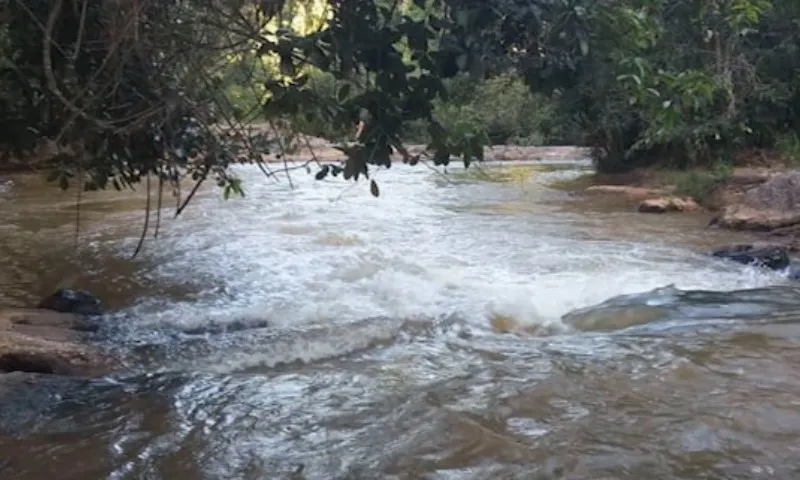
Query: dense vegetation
point(139, 88)
point(691, 83)
point(500, 109)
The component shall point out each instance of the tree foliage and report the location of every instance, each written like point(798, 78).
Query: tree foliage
point(687, 83)
point(134, 89)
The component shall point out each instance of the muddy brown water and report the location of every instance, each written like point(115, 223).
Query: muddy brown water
point(450, 329)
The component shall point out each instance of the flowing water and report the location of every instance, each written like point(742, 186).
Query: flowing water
point(453, 328)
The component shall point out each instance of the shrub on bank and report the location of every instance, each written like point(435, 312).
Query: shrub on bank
point(701, 184)
point(501, 107)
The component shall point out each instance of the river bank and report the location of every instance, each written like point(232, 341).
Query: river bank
point(762, 199)
point(322, 150)
point(309, 150)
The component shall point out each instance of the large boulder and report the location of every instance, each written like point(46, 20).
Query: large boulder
point(44, 341)
point(73, 301)
point(774, 204)
point(774, 257)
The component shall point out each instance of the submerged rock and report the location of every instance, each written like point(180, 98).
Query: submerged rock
point(73, 301)
point(44, 341)
point(668, 204)
point(775, 257)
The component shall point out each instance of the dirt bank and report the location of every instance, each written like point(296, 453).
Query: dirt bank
point(764, 200)
point(308, 148)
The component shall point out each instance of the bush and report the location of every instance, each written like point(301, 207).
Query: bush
point(700, 184)
point(788, 144)
point(244, 102)
point(501, 108)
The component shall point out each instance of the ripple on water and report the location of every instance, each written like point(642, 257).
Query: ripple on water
point(475, 330)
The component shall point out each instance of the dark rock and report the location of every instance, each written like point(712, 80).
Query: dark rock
point(774, 257)
point(73, 301)
point(32, 363)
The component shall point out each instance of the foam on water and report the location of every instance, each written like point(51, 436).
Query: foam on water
point(327, 254)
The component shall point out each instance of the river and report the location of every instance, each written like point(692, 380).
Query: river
point(452, 328)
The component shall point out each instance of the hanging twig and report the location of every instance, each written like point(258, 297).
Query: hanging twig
point(283, 153)
point(195, 188)
point(146, 220)
point(160, 198)
point(78, 206)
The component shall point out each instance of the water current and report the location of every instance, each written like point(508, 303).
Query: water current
point(453, 328)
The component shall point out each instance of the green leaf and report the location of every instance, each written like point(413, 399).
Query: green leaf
point(344, 92)
point(349, 169)
point(461, 61)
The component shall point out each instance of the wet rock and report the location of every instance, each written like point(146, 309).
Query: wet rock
point(774, 257)
point(774, 204)
point(668, 204)
point(628, 191)
point(793, 272)
point(73, 301)
point(44, 341)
